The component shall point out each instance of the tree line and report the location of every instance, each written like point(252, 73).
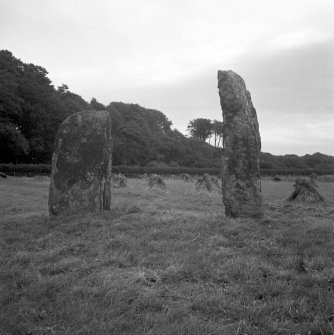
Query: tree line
point(144, 137)
point(31, 110)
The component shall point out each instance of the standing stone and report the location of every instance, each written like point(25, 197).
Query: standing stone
point(81, 164)
point(242, 145)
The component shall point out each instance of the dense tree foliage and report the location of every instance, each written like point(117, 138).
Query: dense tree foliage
point(94, 104)
point(144, 136)
point(205, 129)
point(217, 132)
point(31, 110)
point(200, 128)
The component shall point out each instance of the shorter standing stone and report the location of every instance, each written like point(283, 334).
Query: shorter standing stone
point(81, 164)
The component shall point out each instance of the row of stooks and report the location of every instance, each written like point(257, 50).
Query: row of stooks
point(206, 182)
point(304, 189)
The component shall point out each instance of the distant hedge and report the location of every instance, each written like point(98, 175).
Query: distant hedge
point(129, 171)
point(26, 169)
point(136, 171)
point(294, 172)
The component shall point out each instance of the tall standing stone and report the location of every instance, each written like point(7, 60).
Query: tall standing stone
point(81, 164)
point(242, 145)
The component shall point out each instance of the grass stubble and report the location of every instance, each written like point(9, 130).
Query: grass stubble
point(165, 262)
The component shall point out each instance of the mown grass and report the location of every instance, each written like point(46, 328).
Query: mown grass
point(165, 263)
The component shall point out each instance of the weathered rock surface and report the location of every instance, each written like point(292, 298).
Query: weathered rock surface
point(81, 164)
point(242, 145)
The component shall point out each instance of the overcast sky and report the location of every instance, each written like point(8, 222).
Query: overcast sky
point(164, 54)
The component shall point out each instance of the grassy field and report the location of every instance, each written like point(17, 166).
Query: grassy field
point(165, 263)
